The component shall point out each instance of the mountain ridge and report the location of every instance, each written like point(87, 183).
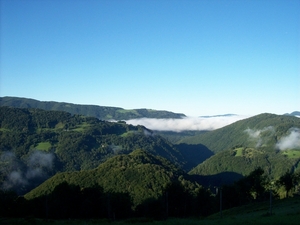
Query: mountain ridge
point(221, 115)
point(100, 112)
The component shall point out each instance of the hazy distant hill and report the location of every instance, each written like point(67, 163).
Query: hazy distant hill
point(100, 112)
point(223, 115)
point(295, 113)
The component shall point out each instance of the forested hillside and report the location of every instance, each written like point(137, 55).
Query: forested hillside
point(263, 131)
point(123, 170)
point(268, 141)
point(36, 144)
point(243, 160)
point(139, 184)
point(142, 175)
point(100, 112)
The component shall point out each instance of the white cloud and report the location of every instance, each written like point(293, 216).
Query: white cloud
point(255, 135)
point(292, 141)
point(186, 123)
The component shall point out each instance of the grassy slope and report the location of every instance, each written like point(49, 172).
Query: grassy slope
point(286, 211)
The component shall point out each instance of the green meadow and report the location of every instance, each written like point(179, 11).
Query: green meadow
point(239, 151)
point(82, 127)
point(43, 146)
point(285, 211)
point(292, 154)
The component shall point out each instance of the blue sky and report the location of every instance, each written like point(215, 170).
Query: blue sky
point(203, 57)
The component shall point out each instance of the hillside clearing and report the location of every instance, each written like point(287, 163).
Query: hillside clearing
point(43, 146)
point(292, 154)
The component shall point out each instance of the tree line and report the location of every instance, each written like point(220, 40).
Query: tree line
point(69, 201)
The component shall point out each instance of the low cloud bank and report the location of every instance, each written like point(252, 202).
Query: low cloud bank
point(257, 135)
point(292, 141)
point(187, 123)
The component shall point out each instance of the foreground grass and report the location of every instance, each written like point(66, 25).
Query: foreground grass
point(285, 211)
point(262, 220)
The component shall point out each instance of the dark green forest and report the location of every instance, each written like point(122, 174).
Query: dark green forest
point(245, 145)
point(59, 165)
point(137, 185)
point(36, 144)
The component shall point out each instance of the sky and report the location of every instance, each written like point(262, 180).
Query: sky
point(197, 57)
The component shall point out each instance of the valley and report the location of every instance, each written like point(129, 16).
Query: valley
point(44, 151)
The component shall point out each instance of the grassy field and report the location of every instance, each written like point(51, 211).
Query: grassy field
point(239, 151)
point(82, 127)
point(60, 125)
point(128, 133)
point(124, 111)
point(4, 130)
point(292, 153)
point(284, 212)
point(43, 146)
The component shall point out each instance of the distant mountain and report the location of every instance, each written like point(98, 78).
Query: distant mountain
point(100, 112)
point(295, 113)
point(223, 115)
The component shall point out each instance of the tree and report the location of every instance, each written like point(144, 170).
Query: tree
point(205, 202)
point(288, 181)
point(65, 201)
point(177, 200)
point(252, 187)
